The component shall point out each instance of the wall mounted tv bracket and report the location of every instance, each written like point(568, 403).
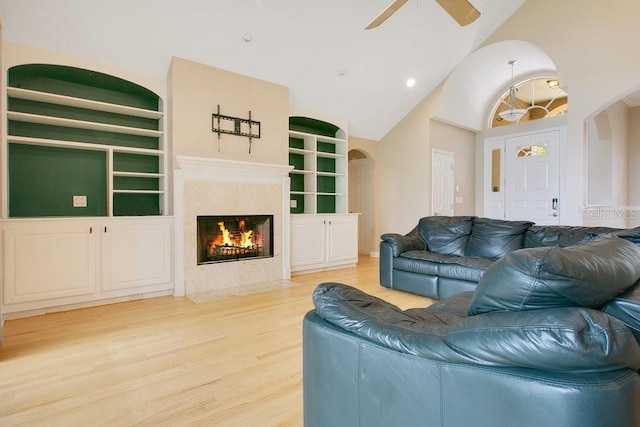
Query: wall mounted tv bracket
point(235, 126)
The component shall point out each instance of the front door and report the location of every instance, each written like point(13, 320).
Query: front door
point(532, 177)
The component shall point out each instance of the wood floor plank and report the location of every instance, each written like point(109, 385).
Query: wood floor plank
point(169, 361)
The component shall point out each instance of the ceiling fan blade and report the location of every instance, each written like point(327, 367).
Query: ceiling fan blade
point(461, 10)
point(397, 4)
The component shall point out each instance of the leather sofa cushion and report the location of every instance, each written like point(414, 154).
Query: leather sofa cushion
point(493, 238)
point(587, 275)
point(447, 235)
point(455, 267)
point(561, 236)
point(626, 307)
point(557, 339)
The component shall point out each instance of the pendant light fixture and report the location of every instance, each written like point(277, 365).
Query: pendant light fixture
point(512, 113)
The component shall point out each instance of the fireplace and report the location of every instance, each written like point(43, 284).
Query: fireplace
point(234, 238)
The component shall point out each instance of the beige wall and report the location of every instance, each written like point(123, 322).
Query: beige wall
point(633, 166)
point(594, 52)
point(195, 92)
point(405, 169)
point(461, 143)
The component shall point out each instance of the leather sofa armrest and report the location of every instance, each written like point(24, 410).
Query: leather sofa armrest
point(402, 243)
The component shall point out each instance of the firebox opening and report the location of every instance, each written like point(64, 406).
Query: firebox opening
point(234, 238)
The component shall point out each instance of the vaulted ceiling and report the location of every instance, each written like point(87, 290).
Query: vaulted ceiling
point(319, 49)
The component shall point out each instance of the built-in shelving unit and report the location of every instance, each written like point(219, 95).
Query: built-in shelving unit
point(319, 175)
point(75, 132)
point(324, 235)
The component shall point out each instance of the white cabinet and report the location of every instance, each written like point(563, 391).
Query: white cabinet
point(323, 242)
point(49, 260)
point(61, 262)
point(136, 252)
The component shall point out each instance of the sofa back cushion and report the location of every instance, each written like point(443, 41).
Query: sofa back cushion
point(493, 238)
point(446, 235)
point(561, 236)
point(586, 275)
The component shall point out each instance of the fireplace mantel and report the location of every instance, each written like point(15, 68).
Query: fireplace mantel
point(202, 186)
point(230, 170)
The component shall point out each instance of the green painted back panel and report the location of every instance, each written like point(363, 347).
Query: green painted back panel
point(43, 180)
point(326, 204)
point(136, 204)
point(299, 209)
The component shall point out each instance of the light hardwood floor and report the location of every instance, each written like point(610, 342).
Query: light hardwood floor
point(169, 361)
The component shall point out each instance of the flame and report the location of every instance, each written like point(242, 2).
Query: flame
point(245, 236)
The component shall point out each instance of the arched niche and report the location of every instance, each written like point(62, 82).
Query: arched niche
point(612, 147)
point(471, 89)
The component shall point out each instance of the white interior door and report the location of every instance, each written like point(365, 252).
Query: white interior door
point(532, 177)
point(361, 193)
point(442, 179)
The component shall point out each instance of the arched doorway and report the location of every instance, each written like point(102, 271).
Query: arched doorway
point(362, 198)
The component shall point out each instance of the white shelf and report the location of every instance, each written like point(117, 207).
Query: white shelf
point(81, 145)
point(333, 174)
point(52, 98)
point(300, 151)
point(330, 155)
point(139, 191)
point(81, 124)
point(300, 171)
point(138, 174)
point(319, 138)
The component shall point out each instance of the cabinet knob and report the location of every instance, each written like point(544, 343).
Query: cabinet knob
point(90, 230)
point(105, 228)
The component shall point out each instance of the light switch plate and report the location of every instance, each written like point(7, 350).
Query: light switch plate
point(79, 201)
point(293, 203)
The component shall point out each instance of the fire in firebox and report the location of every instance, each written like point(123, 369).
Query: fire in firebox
point(234, 238)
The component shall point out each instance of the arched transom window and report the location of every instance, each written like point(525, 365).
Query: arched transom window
point(535, 99)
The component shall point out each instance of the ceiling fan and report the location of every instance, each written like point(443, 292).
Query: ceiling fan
point(461, 10)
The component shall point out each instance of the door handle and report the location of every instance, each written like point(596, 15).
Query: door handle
point(554, 204)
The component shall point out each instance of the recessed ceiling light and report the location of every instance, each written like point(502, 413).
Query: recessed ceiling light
point(342, 72)
point(411, 82)
point(247, 38)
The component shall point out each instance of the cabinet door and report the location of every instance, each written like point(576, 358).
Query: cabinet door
point(136, 252)
point(48, 259)
point(308, 241)
point(342, 238)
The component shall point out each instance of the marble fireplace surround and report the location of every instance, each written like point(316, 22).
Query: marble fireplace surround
point(205, 186)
